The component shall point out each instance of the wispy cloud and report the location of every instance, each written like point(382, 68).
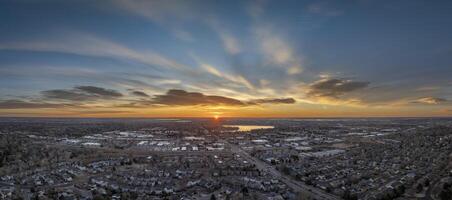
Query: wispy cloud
point(278, 51)
point(173, 13)
point(88, 45)
point(161, 11)
point(139, 93)
point(256, 8)
point(20, 104)
point(169, 14)
point(233, 78)
point(230, 43)
point(324, 8)
point(430, 100)
point(183, 35)
point(428, 88)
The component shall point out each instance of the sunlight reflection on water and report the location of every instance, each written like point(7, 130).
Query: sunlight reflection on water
point(248, 127)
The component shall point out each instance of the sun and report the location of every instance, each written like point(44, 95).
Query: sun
point(216, 117)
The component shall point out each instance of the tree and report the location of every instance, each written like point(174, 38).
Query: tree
point(419, 188)
point(426, 182)
point(286, 170)
point(400, 190)
point(328, 189)
point(99, 197)
point(245, 191)
point(446, 192)
point(445, 195)
point(349, 196)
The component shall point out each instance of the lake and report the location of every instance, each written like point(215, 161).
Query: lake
point(249, 127)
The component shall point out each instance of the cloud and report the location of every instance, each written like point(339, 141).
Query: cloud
point(278, 51)
point(428, 88)
point(430, 100)
point(273, 101)
point(230, 43)
point(98, 91)
point(81, 93)
point(79, 96)
point(87, 45)
point(334, 88)
point(66, 95)
point(324, 8)
point(19, 104)
point(140, 94)
point(183, 98)
point(183, 35)
point(174, 13)
point(256, 8)
point(136, 104)
point(227, 79)
point(162, 11)
point(96, 112)
point(169, 14)
point(233, 78)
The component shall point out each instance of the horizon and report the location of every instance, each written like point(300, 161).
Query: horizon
point(228, 118)
point(192, 59)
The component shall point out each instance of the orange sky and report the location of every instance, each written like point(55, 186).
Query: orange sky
point(276, 111)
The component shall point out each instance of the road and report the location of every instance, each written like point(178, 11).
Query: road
point(295, 185)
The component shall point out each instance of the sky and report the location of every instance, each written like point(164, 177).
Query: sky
point(200, 58)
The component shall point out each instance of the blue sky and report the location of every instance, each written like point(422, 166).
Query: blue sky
point(281, 58)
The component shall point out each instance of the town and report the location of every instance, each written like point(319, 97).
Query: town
point(375, 158)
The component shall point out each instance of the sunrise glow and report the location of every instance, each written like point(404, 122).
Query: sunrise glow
point(195, 59)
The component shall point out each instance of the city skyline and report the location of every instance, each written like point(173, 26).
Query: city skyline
point(278, 59)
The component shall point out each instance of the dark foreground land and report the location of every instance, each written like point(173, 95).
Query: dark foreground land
point(383, 158)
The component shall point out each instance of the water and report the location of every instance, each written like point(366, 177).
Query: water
point(249, 127)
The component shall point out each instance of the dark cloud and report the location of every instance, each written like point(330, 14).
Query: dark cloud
point(430, 100)
point(94, 112)
point(66, 95)
point(81, 93)
point(102, 92)
point(140, 94)
point(182, 97)
point(141, 103)
point(273, 101)
point(334, 87)
point(173, 97)
point(19, 104)
point(136, 104)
